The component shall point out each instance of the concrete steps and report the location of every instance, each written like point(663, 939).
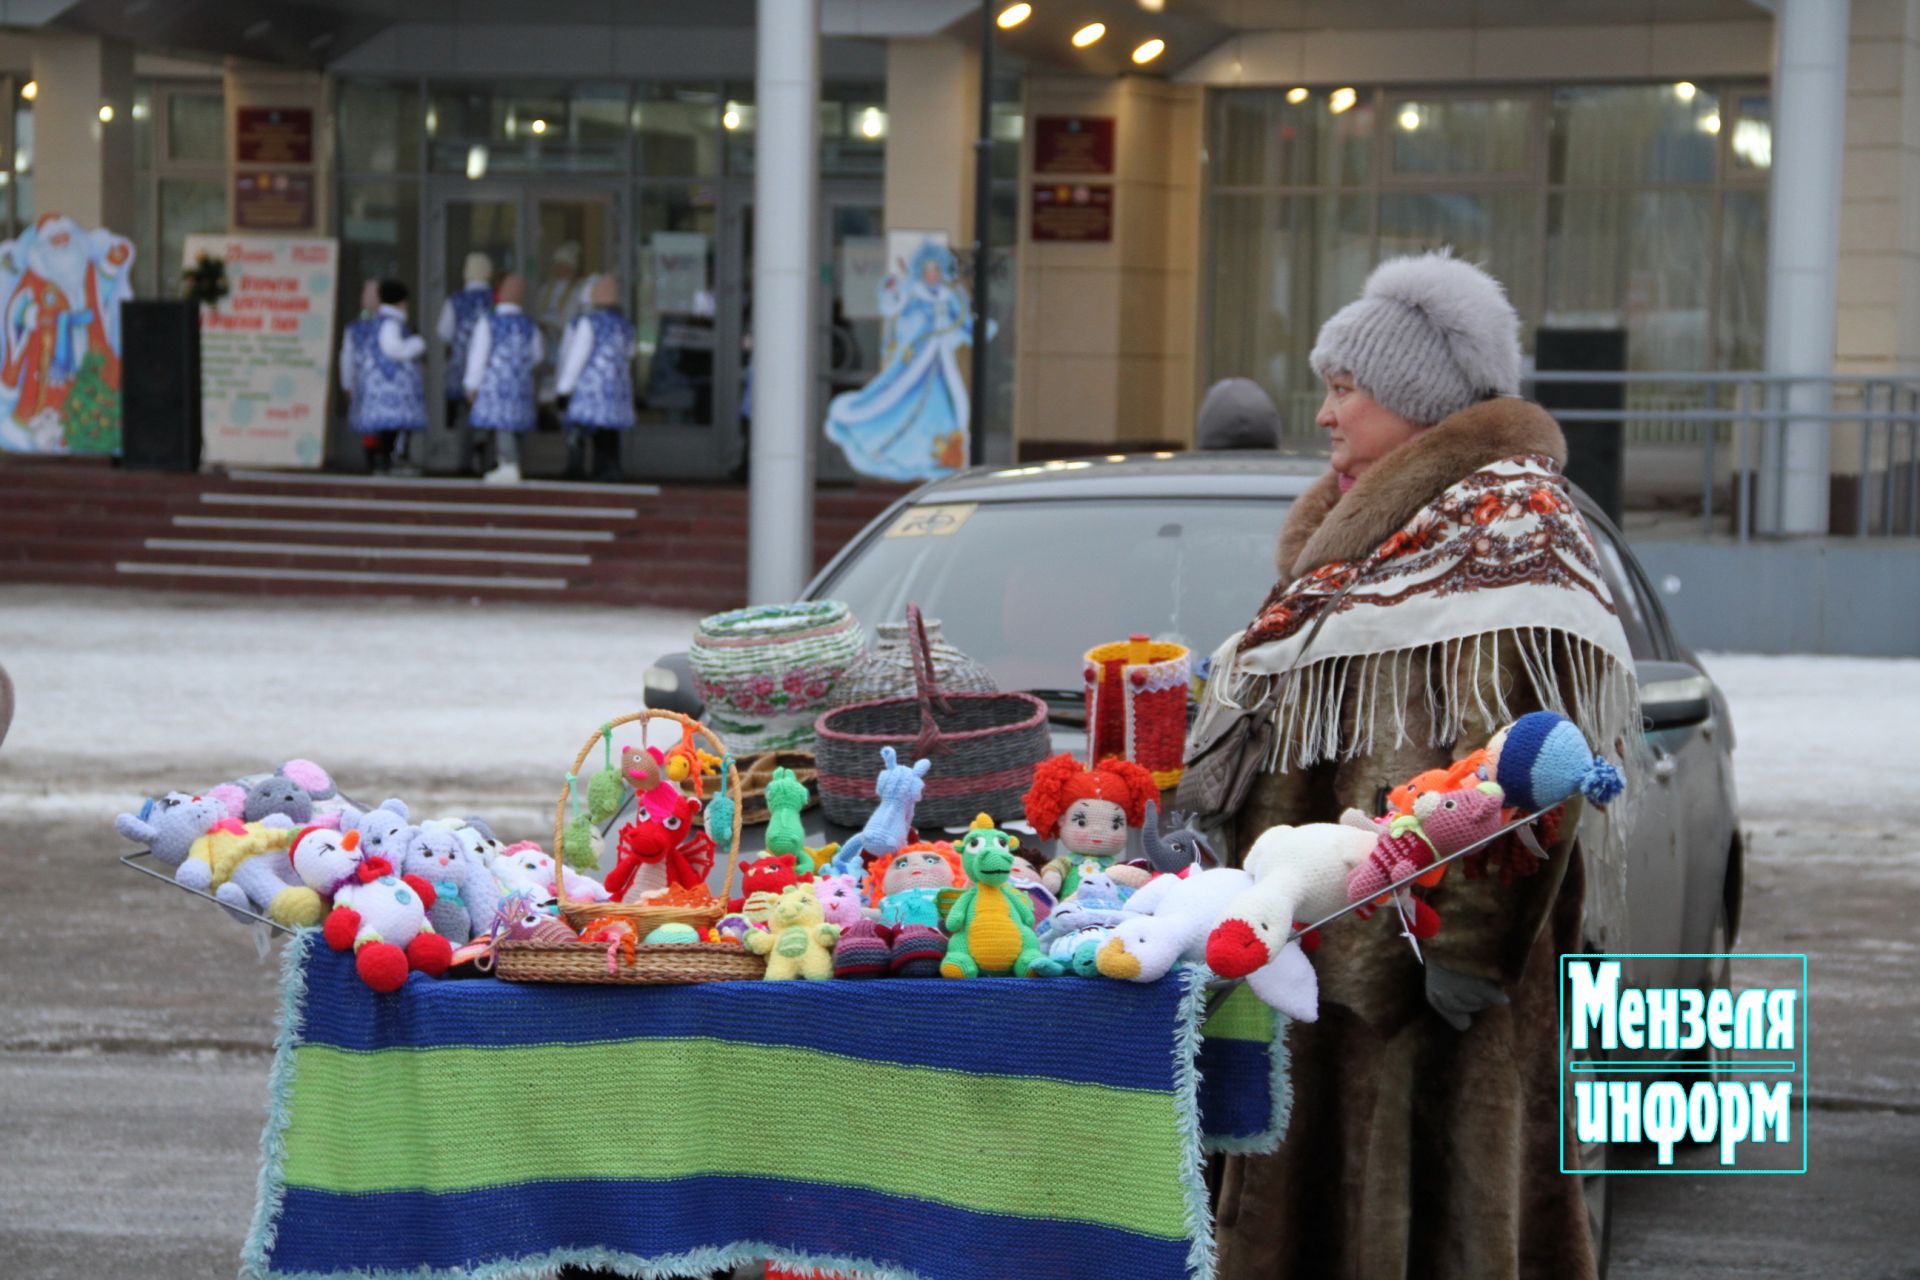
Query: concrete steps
point(680, 546)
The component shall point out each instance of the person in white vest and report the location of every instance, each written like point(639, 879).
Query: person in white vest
point(596, 380)
point(458, 315)
point(392, 394)
point(505, 350)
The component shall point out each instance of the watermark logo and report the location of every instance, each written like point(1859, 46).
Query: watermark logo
point(1723, 1069)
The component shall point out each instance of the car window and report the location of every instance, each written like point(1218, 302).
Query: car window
point(1635, 610)
point(1028, 587)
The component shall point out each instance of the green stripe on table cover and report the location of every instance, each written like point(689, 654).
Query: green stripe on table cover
point(1240, 1015)
point(903, 1130)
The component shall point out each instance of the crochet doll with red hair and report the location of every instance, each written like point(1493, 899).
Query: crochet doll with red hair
point(1088, 811)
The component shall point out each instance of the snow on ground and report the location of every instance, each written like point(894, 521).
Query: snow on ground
point(124, 693)
point(1825, 735)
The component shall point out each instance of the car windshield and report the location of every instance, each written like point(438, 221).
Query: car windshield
point(1028, 587)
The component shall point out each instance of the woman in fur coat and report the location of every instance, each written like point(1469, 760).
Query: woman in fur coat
point(1434, 585)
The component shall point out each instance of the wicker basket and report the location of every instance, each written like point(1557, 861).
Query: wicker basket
point(766, 671)
point(656, 963)
point(885, 670)
point(984, 748)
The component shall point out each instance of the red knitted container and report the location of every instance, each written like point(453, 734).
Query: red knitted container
point(1137, 705)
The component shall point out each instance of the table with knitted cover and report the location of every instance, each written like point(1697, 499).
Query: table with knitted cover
point(993, 1127)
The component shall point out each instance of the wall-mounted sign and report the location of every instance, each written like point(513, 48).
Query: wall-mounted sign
point(273, 135)
point(265, 351)
point(1072, 144)
point(1073, 211)
point(273, 201)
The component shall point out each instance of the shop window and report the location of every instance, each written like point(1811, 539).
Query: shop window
point(196, 128)
point(143, 128)
point(531, 128)
point(1741, 320)
point(1321, 140)
point(1640, 261)
point(1633, 134)
point(1750, 141)
point(1449, 136)
point(379, 127)
point(677, 131)
point(187, 207)
point(1498, 230)
point(379, 239)
point(674, 305)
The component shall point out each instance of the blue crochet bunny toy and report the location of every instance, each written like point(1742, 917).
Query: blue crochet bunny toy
point(891, 826)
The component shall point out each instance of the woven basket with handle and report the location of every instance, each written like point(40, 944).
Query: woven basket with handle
point(984, 747)
point(527, 961)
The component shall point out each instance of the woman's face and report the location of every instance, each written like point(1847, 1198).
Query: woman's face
point(1362, 431)
point(1096, 827)
point(930, 272)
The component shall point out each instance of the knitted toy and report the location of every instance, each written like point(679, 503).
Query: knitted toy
point(798, 942)
point(384, 829)
point(1027, 877)
point(169, 832)
point(765, 874)
point(839, 900)
point(1442, 823)
point(1088, 811)
point(1168, 921)
point(520, 917)
point(1075, 931)
point(992, 924)
point(786, 796)
point(1172, 851)
point(864, 950)
point(243, 865)
point(662, 848)
point(466, 895)
point(891, 826)
point(645, 770)
point(904, 887)
point(1542, 759)
point(1299, 874)
point(525, 867)
point(277, 795)
point(618, 936)
point(378, 916)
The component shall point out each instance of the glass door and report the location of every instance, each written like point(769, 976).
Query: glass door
point(570, 239)
point(685, 308)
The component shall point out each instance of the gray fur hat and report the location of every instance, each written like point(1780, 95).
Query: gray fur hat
point(1428, 336)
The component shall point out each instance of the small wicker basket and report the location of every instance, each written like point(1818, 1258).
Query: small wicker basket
point(656, 963)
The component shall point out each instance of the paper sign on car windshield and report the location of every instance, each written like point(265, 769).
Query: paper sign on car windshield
point(936, 521)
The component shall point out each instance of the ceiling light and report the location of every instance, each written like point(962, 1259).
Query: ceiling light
point(30, 90)
point(1088, 34)
point(433, 121)
point(1153, 6)
point(1297, 96)
point(476, 162)
point(1710, 124)
point(141, 110)
point(872, 123)
point(1340, 99)
point(106, 113)
point(1410, 117)
point(730, 119)
point(538, 126)
point(1013, 15)
point(1684, 91)
point(1149, 50)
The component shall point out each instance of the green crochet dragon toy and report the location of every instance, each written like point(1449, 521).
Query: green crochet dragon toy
point(992, 922)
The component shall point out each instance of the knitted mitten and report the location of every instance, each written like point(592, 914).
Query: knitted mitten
point(862, 951)
point(917, 952)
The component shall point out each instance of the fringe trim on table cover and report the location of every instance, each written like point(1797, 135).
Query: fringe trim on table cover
point(271, 1190)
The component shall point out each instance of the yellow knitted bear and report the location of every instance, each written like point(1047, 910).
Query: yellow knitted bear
point(797, 942)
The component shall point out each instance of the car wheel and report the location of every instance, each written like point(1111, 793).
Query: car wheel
point(1719, 977)
point(1597, 1189)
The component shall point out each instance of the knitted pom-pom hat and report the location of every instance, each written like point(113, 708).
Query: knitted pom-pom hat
point(1428, 336)
point(1544, 758)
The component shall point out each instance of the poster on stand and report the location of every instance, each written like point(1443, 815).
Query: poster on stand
point(266, 350)
point(61, 286)
point(910, 421)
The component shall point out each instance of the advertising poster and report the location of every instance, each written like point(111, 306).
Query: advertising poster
point(62, 286)
point(267, 349)
point(910, 422)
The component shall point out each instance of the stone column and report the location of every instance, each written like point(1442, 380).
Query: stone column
point(82, 164)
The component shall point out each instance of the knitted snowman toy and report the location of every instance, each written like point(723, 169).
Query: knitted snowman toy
point(378, 916)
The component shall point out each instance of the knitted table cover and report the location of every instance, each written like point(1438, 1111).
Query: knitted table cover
point(900, 1129)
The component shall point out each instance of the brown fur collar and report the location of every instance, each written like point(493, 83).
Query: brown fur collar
point(1325, 525)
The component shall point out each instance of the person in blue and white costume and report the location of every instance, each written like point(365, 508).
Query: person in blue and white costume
point(910, 422)
point(596, 376)
point(505, 350)
point(392, 398)
point(356, 349)
point(458, 315)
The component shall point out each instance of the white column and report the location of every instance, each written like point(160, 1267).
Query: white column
point(1803, 246)
point(82, 164)
point(785, 194)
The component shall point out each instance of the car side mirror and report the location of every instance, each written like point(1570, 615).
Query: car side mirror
point(669, 686)
point(1673, 695)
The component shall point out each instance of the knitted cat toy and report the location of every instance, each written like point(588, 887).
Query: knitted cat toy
point(1088, 811)
point(798, 941)
point(992, 923)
